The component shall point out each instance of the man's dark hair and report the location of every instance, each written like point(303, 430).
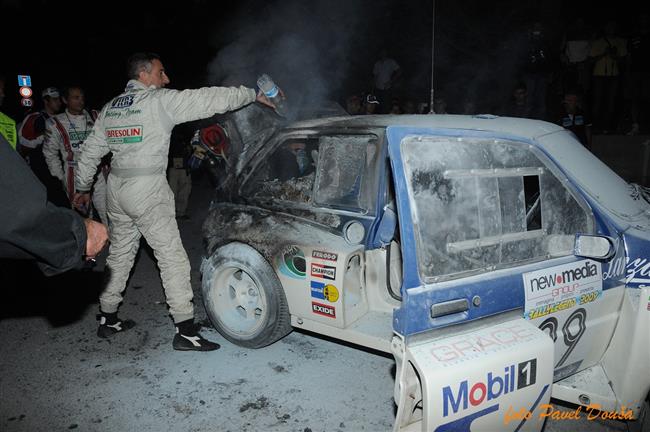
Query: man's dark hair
point(66, 90)
point(140, 62)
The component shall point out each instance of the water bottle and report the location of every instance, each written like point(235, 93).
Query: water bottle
point(272, 91)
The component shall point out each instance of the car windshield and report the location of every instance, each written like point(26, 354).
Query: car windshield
point(479, 204)
point(596, 179)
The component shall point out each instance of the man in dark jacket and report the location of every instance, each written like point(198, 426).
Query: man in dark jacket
point(33, 228)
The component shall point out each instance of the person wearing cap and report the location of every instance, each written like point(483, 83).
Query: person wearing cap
point(7, 124)
point(136, 127)
point(31, 133)
point(65, 134)
point(370, 104)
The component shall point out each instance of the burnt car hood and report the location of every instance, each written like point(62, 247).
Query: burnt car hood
point(250, 127)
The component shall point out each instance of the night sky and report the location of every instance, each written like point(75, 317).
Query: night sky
point(315, 50)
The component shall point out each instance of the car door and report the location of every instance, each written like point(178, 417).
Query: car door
point(488, 225)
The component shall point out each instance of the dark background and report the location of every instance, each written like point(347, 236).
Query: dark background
point(315, 50)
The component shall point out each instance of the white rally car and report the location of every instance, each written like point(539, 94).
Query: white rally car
point(498, 260)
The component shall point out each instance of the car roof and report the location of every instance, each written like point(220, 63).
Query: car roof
point(526, 128)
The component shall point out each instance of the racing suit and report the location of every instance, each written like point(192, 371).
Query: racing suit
point(64, 137)
point(136, 126)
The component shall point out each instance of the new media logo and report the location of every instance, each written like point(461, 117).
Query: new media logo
point(122, 102)
point(566, 277)
point(491, 388)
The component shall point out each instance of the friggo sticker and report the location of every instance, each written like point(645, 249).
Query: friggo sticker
point(323, 271)
point(329, 256)
point(494, 386)
point(324, 310)
point(124, 135)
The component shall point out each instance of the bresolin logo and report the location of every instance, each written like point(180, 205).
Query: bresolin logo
point(491, 388)
point(568, 276)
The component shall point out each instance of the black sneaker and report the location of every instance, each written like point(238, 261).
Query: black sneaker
point(187, 338)
point(107, 330)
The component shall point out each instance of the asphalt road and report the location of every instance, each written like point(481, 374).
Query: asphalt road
point(55, 374)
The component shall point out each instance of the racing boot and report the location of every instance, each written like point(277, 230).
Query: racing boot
point(187, 338)
point(109, 324)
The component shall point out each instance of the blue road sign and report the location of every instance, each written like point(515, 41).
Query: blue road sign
point(24, 80)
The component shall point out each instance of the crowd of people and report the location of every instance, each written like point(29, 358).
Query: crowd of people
point(590, 77)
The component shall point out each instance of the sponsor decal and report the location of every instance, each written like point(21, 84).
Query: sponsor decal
point(329, 256)
point(649, 303)
point(78, 135)
point(562, 287)
point(325, 310)
point(475, 345)
point(323, 271)
point(495, 385)
point(124, 135)
point(636, 271)
point(122, 101)
point(291, 263)
point(323, 291)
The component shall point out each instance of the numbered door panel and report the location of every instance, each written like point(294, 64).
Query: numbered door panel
point(488, 225)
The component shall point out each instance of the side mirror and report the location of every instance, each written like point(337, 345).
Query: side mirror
point(594, 246)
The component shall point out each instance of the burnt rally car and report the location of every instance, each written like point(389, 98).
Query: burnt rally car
point(499, 261)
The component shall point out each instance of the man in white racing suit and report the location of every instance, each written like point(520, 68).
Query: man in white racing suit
point(136, 126)
point(64, 137)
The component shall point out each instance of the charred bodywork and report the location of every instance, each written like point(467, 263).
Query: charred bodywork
point(472, 248)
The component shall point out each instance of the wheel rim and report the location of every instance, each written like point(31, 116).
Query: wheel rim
point(240, 303)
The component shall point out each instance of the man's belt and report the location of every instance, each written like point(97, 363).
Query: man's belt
point(136, 172)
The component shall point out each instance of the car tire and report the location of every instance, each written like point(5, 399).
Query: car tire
point(244, 298)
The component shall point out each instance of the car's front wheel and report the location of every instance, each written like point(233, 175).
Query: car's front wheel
point(244, 298)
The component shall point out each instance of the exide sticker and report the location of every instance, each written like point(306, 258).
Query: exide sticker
point(323, 271)
point(494, 386)
point(329, 256)
point(324, 310)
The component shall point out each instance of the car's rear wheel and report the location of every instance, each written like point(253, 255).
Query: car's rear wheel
point(244, 298)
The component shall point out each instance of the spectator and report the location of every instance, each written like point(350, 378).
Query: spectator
point(58, 238)
point(370, 104)
point(537, 69)
point(178, 171)
point(31, 134)
point(440, 106)
point(574, 55)
point(519, 105)
point(140, 201)
point(7, 124)
point(386, 72)
point(353, 105)
point(65, 134)
point(573, 118)
point(409, 107)
point(639, 75)
point(607, 52)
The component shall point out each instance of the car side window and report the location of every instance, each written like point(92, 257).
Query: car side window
point(344, 170)
point(287, 174)
point(480, 204)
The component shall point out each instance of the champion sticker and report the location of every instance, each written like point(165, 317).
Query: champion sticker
point(324, 310)
point(323, 271)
